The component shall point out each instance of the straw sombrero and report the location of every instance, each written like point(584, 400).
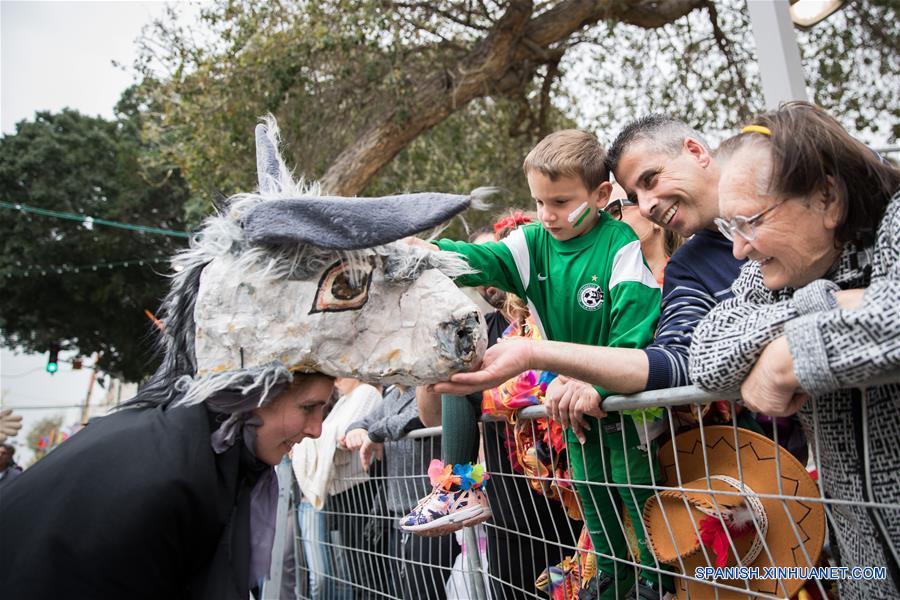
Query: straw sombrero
point(674, 519)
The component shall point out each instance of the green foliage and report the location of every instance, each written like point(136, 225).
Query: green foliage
point(85, 165)
point(702, 68)
point(853, 59)
point(315, 66)
point(328, 69)
point(471, 148)
point(325, 70)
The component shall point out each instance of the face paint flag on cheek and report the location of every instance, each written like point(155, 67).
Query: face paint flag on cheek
point(576, 217)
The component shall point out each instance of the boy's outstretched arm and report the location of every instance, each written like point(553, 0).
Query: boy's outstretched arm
point(492, 261)
point(622, 370)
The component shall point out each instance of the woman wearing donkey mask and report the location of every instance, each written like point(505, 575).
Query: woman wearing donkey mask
point(174, 496)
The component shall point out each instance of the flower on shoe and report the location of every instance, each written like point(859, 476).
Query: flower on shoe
point(442, 475)
point(464, 472)
point(436, 471)
point(470, 476)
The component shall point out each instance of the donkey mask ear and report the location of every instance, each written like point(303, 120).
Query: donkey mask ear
point(349, 223)
point(267, 171)
point(339, 223)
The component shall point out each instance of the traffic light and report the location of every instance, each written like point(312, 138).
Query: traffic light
point(53, 359)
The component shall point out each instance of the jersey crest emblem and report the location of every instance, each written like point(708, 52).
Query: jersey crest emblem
point(590, 296)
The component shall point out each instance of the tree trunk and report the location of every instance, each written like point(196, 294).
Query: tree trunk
point(500, 63)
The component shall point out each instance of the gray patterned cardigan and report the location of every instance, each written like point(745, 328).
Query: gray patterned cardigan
point(832, 349)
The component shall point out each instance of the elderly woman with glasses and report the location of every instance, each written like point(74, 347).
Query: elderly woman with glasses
point(816, 311)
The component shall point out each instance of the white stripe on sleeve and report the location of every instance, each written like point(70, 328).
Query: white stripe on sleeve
point(518, 247)
point(628, 265)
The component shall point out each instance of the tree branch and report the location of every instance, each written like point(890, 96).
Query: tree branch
point(503, 61)
point(722, 42)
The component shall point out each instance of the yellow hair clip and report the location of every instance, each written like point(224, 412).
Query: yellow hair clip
point(757, 129)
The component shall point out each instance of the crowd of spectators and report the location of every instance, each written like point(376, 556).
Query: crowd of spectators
point(773, 263)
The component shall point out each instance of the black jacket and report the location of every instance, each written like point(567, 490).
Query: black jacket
point(136, 505)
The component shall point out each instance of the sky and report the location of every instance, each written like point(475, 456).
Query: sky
point(55, 55)
point(60, 54)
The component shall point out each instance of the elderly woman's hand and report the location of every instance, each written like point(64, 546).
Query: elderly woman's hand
point(849, 299)
point(772, 388)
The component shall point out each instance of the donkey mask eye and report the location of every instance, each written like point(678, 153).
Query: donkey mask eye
point(343, 287)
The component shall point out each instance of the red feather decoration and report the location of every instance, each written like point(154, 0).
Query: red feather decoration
point(713, 535)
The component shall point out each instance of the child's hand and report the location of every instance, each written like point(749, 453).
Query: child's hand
point(354, 439)
point(419, 243)
point(850, 299)
point(568, 400)
point(369, 450)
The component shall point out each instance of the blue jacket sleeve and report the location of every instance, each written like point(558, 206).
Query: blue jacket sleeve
point(685, 301)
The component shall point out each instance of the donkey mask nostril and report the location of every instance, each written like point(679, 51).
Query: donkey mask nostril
point(465, 342)
point(458, 339)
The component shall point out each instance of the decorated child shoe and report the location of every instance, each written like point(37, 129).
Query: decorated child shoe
point(457, 501)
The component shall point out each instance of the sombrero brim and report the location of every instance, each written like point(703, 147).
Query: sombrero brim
point(757, 471)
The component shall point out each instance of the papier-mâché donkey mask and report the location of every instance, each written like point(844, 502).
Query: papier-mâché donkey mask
point(288, 281)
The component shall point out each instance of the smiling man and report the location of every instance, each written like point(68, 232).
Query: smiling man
point(667, 167)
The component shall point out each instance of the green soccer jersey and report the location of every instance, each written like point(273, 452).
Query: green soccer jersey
point(593, 289)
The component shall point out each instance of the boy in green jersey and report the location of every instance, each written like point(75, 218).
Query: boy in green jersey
point(585, 281)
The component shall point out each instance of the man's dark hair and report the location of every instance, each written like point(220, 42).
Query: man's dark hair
point(10, 448)
point(664, 133)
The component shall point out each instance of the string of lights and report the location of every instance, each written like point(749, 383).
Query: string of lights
point(44, 270)
point(89, 222)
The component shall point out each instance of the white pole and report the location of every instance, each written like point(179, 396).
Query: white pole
point(777, 51)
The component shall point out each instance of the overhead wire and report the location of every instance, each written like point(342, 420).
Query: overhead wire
point(89, 221)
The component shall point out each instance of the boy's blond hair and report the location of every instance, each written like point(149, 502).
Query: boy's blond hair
point(569, 153)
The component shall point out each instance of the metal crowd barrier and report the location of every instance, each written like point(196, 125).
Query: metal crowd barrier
point(353, 548)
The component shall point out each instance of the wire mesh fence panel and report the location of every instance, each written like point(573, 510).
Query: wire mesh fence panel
point(696, 497)
point(529, 530)
point(354, 547)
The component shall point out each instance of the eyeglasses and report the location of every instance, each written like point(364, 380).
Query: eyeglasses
point(614, 207)
point(746, 226)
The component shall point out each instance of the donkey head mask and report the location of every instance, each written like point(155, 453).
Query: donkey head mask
point(290, 281)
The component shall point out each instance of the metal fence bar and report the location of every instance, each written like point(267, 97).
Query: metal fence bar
point(271, 589)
